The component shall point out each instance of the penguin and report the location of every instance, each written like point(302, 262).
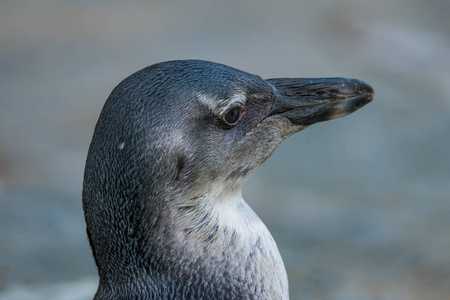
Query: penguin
point(171, 150)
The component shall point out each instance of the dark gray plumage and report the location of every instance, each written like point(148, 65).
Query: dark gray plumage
point(162, 186)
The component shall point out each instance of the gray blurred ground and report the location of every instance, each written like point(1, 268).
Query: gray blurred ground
point(359, 206)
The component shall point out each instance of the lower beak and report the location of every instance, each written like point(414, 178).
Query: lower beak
point(305, 101)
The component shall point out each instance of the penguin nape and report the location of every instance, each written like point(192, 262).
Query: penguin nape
point(171, 150)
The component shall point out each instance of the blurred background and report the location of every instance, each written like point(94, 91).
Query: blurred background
point(359, 206)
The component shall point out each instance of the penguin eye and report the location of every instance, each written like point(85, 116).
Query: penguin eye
point(233, 115)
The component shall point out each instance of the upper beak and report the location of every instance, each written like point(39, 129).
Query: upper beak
point(305, 101)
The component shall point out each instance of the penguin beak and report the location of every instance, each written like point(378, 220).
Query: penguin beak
point(305, 101)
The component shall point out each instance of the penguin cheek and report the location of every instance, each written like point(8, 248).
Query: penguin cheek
point(259, 144)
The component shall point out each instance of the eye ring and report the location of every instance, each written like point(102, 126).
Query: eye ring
point(233, 115)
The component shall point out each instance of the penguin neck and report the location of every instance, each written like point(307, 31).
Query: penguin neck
point(216, 239)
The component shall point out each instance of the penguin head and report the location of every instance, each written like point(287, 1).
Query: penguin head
point(194, 126)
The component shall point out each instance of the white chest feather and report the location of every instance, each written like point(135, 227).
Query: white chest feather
point(232, 238)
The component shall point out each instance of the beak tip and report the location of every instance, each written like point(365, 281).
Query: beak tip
point(344, 108)
point(366, 88)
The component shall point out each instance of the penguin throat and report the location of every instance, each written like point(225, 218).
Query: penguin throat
point(216, 218)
